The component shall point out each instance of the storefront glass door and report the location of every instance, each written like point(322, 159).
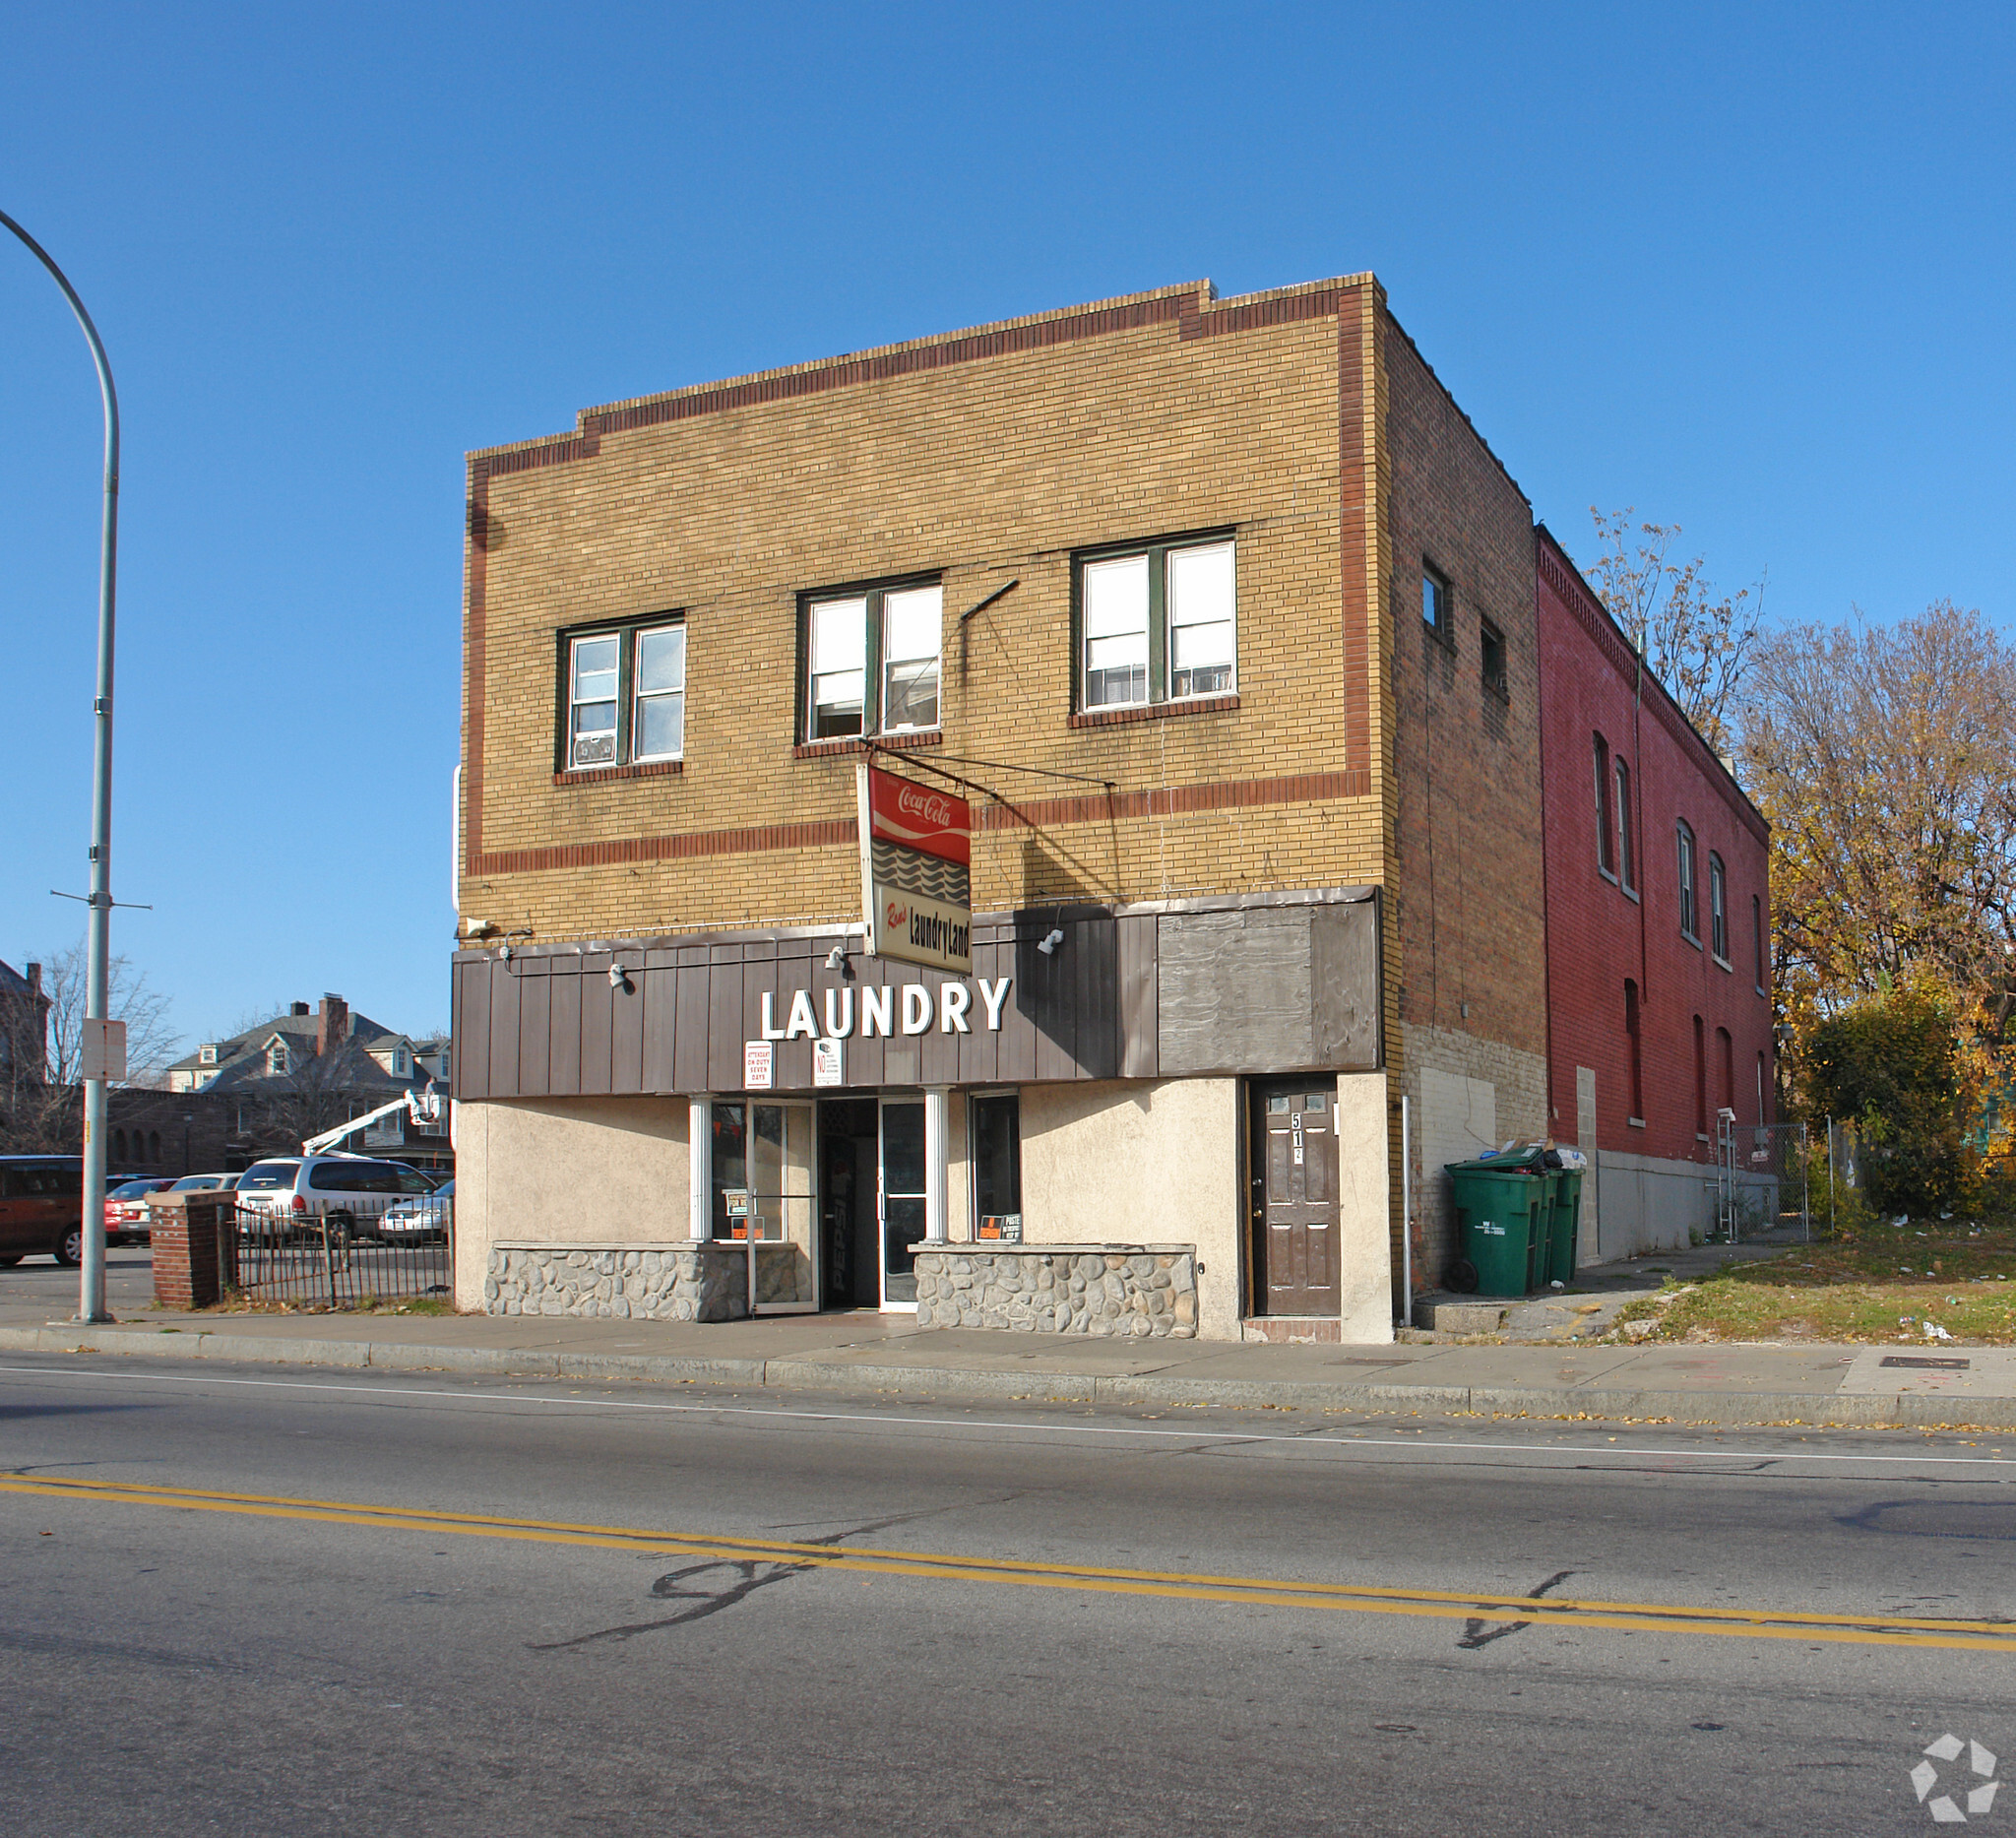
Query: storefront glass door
point(766, 1194)
point(902, 1198)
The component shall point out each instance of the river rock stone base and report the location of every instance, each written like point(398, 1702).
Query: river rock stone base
point(629, 1282)
point(1138, 1291)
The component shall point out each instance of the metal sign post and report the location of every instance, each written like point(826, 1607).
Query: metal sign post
point(91, 1305)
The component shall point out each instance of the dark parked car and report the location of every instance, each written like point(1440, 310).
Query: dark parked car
point(41, 1208)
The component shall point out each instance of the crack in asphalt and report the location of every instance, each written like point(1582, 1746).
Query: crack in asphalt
point(751, 1574)
point(1474, 1629)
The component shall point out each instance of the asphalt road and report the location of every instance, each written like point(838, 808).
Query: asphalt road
point(275, 1601)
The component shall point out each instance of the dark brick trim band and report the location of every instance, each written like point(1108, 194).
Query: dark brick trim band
point(754, 840)
point(1155, 711)
point(645, 769)
point(1099, 807)
point(1191, 320)
point(1175, 800)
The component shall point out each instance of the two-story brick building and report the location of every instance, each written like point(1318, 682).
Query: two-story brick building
point(1220, 614)
point(1659, 926)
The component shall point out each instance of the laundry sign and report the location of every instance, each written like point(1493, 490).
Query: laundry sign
point(916, 871)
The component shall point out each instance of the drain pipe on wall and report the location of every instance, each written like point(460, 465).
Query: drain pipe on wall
point(1406, 1215)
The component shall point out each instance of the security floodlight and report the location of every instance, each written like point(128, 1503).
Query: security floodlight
point(619, 978)
point(835, 959)
point(1049, 945)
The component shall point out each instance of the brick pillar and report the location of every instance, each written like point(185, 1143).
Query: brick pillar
point(187, 1230)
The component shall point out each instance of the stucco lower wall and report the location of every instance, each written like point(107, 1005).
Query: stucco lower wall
point(1637, 1203)
point(1126, 1162)
point(565, 1170)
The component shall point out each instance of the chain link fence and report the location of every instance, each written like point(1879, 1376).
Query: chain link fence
point(1764, 1182)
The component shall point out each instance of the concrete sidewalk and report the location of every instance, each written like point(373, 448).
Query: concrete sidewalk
point(862, 1354)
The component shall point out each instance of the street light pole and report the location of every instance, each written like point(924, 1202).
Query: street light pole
point(91, 1305)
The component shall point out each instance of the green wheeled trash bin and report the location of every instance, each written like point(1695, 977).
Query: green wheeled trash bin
point(1501, 1220)
point(1567, 1222)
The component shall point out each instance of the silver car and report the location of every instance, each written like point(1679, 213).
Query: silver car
point(338, 1196)
point(421, 1220)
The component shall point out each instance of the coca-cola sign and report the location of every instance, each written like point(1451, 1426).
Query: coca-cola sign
point(917, 874)
point(919, 816)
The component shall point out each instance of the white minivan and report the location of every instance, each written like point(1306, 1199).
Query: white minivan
point(289, 1195)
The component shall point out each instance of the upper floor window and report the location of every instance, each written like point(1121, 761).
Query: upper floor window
point(1718, 908)
point(1604, 858)
point(1493, 647)
point(871, 661)
point(1758, 938)
point(1627, 870)
point(1690, 924)
point(1158, 624)
point(1435, 606)
point(626, 696)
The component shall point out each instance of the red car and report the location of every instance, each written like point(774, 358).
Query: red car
point(126, 1220)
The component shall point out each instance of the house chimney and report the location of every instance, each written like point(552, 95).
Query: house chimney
point(35, 978)
point(301, 1008)
point(332, 1024)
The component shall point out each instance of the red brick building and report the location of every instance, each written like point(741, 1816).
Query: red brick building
point(1657, 923)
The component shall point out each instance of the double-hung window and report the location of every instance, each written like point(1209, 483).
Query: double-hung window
point(1627, 872)
point(1689, 924)
point(871, 661)
point(625, 696)
point(1435, 603)
point(1718, 908)
point(1605, 863)
point(1157, 623)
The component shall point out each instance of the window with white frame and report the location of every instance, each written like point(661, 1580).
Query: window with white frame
point(1718, 908)
point(873, 660)
point(1685, 850)
point(1627, 870)
point(625, 694)
point(1158, 623)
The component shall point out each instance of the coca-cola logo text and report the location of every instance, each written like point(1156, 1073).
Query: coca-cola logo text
point(925, 807)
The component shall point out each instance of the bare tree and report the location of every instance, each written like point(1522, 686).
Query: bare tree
point(151, 1040)
point(1696, 643)
point(48, 1114)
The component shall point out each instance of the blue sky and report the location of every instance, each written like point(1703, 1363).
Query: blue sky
point(1748, 269)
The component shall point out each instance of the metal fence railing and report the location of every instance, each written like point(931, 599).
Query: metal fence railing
point(1763, 1181)
point(352, 1253)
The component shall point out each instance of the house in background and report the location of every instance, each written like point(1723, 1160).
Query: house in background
point(270, 1087)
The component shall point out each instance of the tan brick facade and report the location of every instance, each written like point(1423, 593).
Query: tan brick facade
point(1301, 421)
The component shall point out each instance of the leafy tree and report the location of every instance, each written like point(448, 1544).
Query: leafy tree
point(1885, 758)
point(1894, 1065)
point(1696, 642)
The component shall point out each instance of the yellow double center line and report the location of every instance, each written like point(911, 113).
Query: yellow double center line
point(1176, 1586)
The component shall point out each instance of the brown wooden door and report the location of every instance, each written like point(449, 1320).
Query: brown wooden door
point(1295, 1196)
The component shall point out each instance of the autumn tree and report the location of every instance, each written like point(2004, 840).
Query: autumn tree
point(1695, 641)
point(1885, 757)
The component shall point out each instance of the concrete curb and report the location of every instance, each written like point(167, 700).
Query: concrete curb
point(1836, 1410)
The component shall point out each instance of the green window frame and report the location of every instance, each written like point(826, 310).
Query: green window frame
point(622, 691)
point(1154, 622)
point(871, 658)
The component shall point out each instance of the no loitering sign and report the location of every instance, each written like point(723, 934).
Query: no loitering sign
point(916, 871)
